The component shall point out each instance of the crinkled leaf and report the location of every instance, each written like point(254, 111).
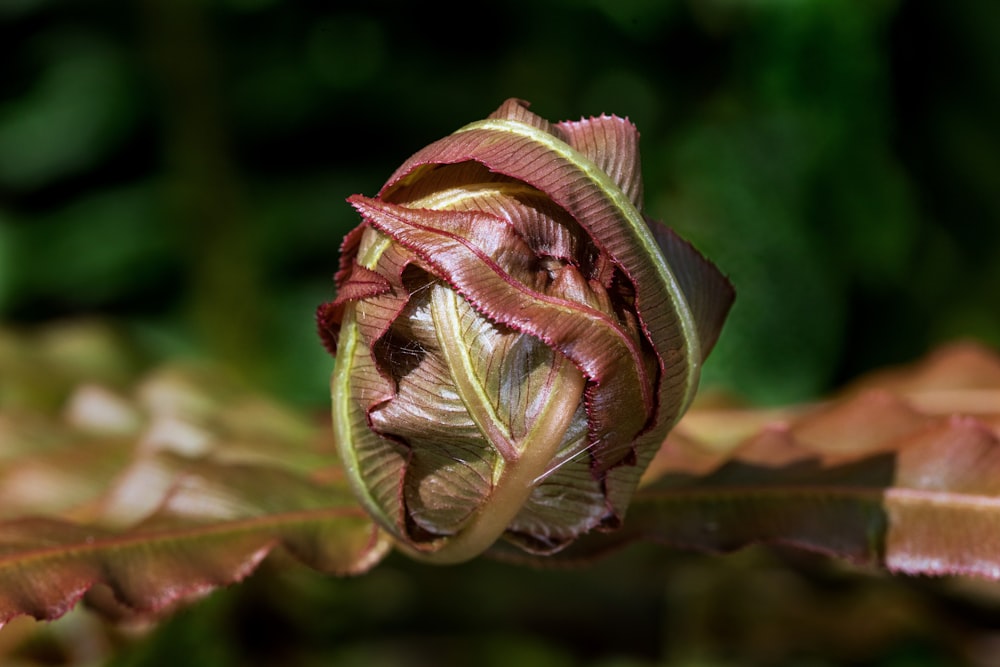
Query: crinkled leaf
point(163, 494)
point(518, 144)
point(457, 378)
point(453, 243)
point(884, 474)
point(536, 229)
point(178, 553)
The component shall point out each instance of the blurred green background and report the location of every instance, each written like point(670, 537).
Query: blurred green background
point(180, 166)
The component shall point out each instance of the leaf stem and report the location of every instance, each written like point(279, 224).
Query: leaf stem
point(445, 305)
point(521, 465)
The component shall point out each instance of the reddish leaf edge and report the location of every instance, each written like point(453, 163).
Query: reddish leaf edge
point(257, 538)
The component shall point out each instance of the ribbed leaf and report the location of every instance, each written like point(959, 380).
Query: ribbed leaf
point(541, 272)
point(611, 143)
point(512, 144)
point(600, 346)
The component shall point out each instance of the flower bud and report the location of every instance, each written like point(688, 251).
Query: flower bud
point(514, 339)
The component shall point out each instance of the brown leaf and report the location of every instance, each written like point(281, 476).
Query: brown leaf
point(161, 493)
point(48, 564)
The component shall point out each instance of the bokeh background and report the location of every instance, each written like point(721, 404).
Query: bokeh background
point(178, 168)
point(181, 166)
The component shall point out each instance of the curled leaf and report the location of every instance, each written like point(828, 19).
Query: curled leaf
point(514, 338)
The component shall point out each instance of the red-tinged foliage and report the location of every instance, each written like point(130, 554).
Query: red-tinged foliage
point(48, 564)
point(192, 481)
point(500, 302)
point(163, 495)
point(885, 474)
